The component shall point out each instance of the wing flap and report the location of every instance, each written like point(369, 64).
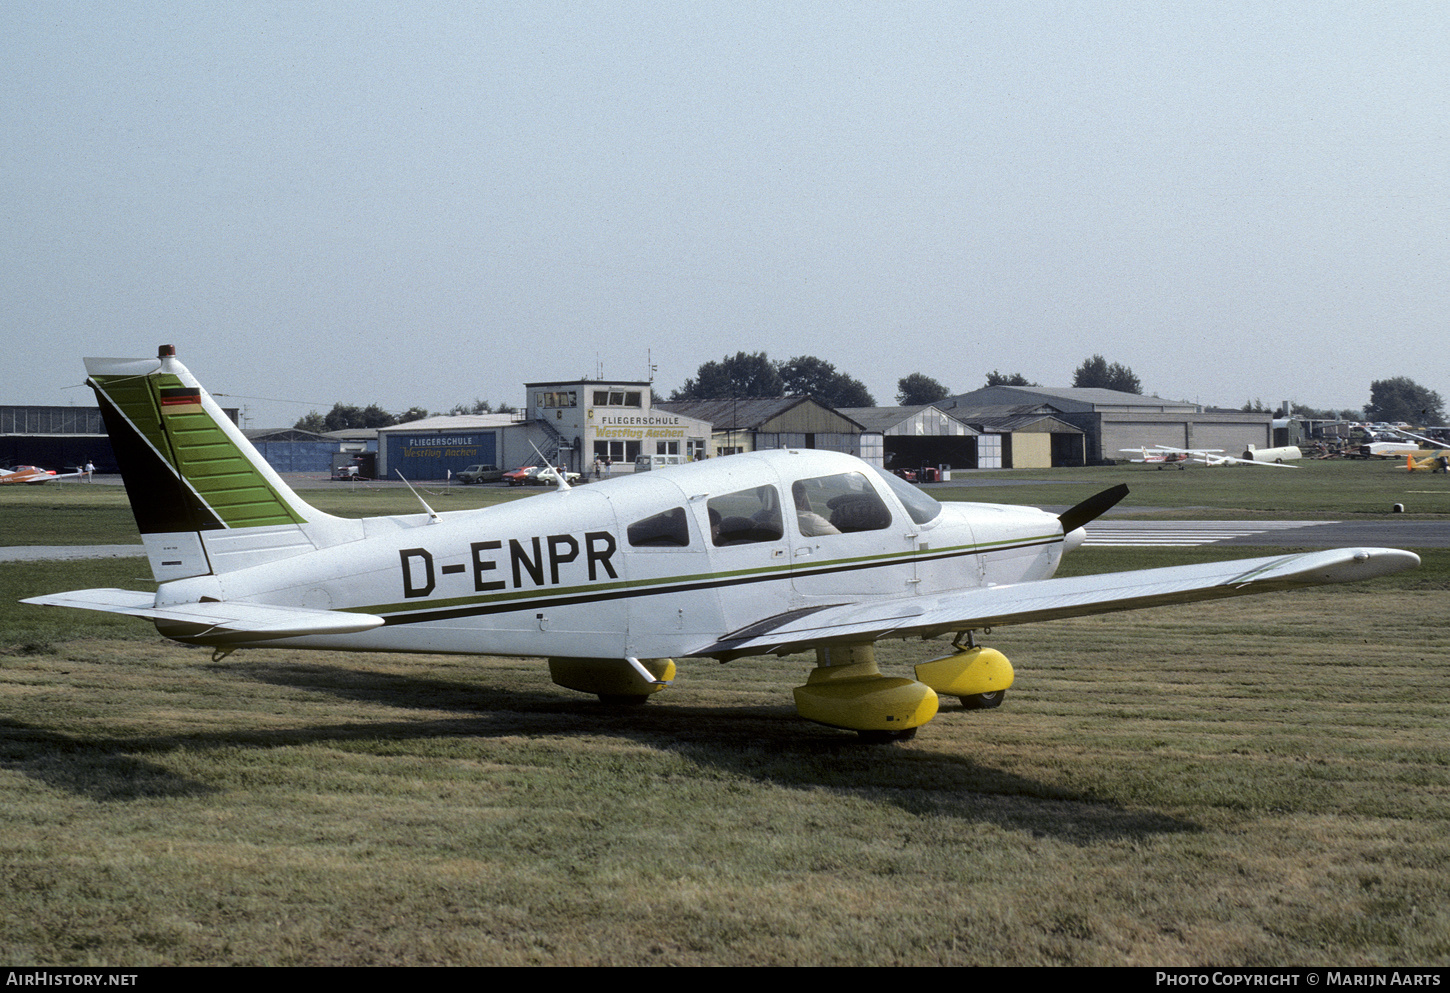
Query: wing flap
point(215, 622)
point(1051, 599)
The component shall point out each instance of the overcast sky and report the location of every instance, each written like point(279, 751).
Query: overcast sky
point(425, 203)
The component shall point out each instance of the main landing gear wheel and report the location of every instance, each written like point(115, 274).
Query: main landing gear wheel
point(983, 701)
point(886, 737)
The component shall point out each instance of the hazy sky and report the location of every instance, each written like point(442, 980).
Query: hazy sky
point(424, 203)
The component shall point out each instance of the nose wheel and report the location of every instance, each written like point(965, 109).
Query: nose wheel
point(983, 701)
point(979, 677)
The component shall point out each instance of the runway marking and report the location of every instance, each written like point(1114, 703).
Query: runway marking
point(1152, 534)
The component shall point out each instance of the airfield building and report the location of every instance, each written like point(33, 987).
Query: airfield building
point(752, 425)
point(1111, 420)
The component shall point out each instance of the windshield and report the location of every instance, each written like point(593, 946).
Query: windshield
point(921, 507)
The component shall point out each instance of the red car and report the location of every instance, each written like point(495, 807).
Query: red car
point(521, 476)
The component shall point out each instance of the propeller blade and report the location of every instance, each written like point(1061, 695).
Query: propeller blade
point(1092, 508)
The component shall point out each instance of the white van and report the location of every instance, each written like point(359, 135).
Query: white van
point(645, 463)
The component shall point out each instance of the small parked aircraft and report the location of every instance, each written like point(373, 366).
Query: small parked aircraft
point(1184, 457)
point(773, 552)
point(34, 475)
point(1439, 462)
point(1160, 457)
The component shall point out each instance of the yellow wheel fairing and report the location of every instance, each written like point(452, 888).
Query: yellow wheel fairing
point(610, 677)
point(857, 697)
point(967, 673)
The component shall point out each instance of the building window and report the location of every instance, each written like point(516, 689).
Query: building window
point(616, 451)
point(557, 398)
point(616, 398)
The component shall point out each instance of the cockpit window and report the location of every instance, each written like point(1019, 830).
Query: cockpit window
point(921, 507)
point(746, 516)
point(838, 504)
point(667, 530)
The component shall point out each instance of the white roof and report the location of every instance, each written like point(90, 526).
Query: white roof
point(456, 422)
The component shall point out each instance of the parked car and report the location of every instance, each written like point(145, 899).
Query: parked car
point(540, 478)
point(481, 474)
point(345, 472)
point(520, 476)
point(645, 463)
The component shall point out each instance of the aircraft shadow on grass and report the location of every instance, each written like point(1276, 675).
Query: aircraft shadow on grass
point(761, 743)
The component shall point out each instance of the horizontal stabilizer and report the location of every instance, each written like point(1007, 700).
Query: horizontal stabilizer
point(215, 622)
point(1051, 599)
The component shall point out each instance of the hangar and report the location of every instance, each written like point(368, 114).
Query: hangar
point(1111, 420)
point(1027, 436)
point(751, 425)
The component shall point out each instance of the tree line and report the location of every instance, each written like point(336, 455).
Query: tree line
point(748, 375)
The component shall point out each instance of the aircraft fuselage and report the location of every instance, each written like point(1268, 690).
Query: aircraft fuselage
point(639, 566)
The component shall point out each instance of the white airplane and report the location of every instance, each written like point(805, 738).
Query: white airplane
point(1160, 456)
point(770, 552)
point(1214, 456)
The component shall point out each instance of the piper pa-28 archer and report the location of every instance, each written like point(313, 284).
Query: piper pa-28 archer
point(769, 552)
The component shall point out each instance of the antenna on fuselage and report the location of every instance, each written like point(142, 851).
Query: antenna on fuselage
point(432, 514)
point(549, 468)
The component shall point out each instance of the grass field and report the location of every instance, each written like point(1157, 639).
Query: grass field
point(1256, 781)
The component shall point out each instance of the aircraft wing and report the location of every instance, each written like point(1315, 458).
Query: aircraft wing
point(1050, 599)
point(223, 622)
point(1230, 458)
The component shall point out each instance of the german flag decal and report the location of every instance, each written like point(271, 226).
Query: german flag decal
point(180, 396)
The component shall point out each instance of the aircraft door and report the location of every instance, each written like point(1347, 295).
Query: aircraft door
point(846, 540)
point(749, 553)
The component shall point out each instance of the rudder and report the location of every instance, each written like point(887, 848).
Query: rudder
point(204, 499)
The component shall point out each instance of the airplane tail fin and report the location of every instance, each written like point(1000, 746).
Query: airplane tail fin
point(205, 500)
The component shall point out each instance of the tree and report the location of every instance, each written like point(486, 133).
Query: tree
point(312, 422)
point(345, 416)
point(1402, 399)
point(748, 374)
point(412, 414)
point(1095, 373)
point(995, 378)
point(744, 375)
point(918, 389)
point(1300, 410)
point(476, 407)
point(806, 374)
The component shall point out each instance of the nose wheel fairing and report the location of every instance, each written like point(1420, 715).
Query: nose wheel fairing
point(979, 676)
